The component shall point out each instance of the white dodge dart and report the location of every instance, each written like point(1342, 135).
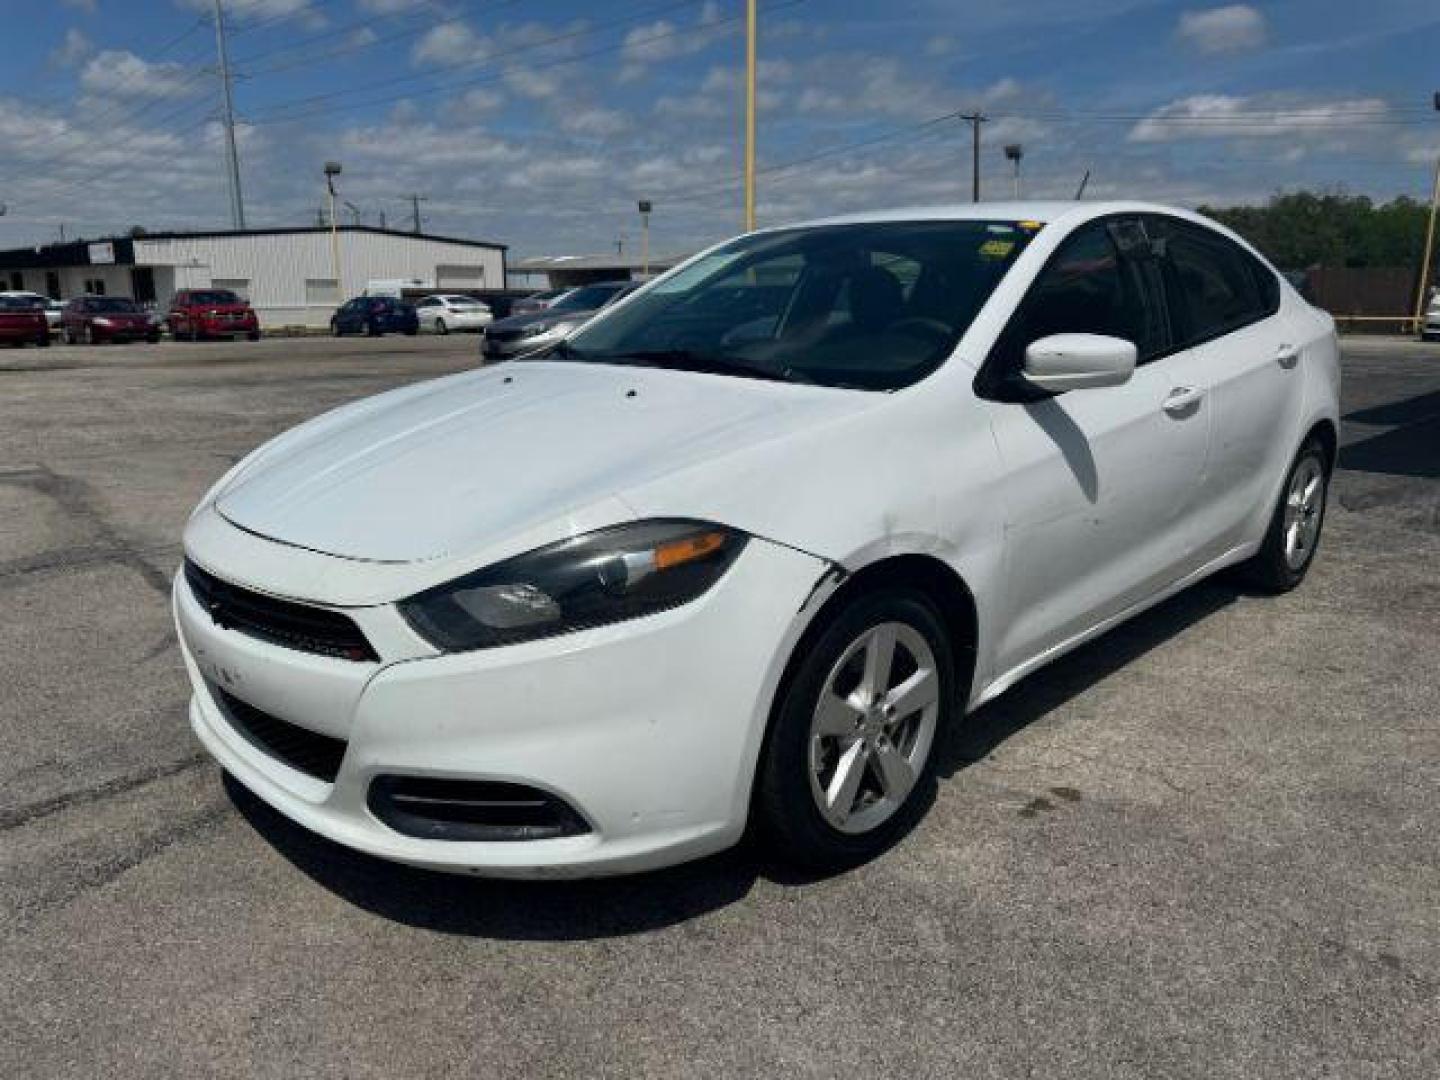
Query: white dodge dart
point(745, 547)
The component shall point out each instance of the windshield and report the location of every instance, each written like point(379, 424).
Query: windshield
point(586, 298)
point(873, 306)
point(219, 296)
point(111, 303)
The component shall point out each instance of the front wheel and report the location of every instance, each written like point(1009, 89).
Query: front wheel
point(335, 330)
point(440, 327)
point(1290, 542)
point(850, 755)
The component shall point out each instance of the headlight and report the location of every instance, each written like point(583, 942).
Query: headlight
point(555, 329)
point(602, 577)
point(100, 320)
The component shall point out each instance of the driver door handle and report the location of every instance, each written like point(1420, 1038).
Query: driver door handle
point(1182, 400)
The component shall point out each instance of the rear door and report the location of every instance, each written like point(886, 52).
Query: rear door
point(1228, 314)
point(1100, 484)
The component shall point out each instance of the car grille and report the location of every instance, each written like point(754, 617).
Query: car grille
point(279, 622)
point(303, 750)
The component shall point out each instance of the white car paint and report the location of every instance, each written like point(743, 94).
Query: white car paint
point(444, 313)
point(1061, 517)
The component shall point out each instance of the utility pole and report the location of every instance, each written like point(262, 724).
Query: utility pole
point(415, 201)
point(974, 119)
point(1421, 297)
point(750, 30)
point(332, 170)
point(232, 157)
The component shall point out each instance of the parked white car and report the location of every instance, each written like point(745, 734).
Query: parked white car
point(1430, 329)
point(747, 543)
point(52, 308)
point(445, 312)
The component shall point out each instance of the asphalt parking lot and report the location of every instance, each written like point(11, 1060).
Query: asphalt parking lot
point(1205, 845)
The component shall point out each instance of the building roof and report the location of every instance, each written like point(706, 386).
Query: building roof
point(539, 264)
point(77, 252)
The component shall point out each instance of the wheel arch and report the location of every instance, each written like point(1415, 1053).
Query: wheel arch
point(931, 576)
point(1323, 431)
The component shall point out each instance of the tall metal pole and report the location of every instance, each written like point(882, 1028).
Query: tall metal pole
point(1422, 297)
point(645, 207)
point(232, 157)
point(415, 201)
point(332, 170)
point(750, 30)
point(975, 119)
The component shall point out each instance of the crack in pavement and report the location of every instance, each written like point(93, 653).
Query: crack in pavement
point(77, 499)
point(19, 816)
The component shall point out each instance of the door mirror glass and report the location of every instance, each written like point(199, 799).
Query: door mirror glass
point(1078, 362)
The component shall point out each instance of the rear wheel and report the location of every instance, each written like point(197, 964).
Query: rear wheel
point(440, 327)
point(253, 335)
point(850, 756)
point(335, 330)
point(1291, 540)
point(372, 328)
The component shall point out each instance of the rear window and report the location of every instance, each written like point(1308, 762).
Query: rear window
point(111, 303)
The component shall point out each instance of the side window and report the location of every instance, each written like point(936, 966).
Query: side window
point(1087, 287)
point(1215, 286)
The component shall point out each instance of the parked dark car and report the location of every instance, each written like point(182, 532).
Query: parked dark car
point(528, 305)
point(522, 334)
point(205, 313)
point(374, 315)
point(92, 320)
point(22, 322)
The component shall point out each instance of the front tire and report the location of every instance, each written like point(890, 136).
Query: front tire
point(851, 753)
point(440, 327)
point(1291, 540)
point(335, 330)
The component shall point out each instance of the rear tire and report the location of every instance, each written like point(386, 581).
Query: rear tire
point(253, 335)
point(335, 330)
point(372, 329)
point(849, 761)
point(1293, 536)
point(440, 327)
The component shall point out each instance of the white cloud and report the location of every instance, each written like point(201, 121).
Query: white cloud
point(1220, 116)
point(391, 7)
point(478, 100)
point(87, 6)
point(72, 50)
point(247, 10)
point(662, 40)
point(1233, 28)
point(532, 82)
point(594, 120)
point(450, 44)
point(119, 73)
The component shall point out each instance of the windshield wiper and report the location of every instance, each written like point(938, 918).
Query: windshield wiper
point(708, 363)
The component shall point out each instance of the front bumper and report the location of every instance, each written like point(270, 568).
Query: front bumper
point(648, 729)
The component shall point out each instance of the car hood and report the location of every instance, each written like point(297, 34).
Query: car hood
point(519, 322)
point(454, 467)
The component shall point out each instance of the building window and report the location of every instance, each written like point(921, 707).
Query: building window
point(238, 285)
point(17, 281)
point(52, 285)
point(95, 286)
point(322, 292)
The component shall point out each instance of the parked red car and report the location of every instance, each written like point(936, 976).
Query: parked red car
point(95, 319)
point(22, 321)
point(202, 313)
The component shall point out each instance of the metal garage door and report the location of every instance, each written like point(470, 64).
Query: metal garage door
point(459, 277)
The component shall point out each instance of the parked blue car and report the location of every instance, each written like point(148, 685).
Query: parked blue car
point(374, 315)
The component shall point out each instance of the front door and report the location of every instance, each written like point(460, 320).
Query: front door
point(1101, 484)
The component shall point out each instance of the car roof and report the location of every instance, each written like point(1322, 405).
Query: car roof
point(1047, 211)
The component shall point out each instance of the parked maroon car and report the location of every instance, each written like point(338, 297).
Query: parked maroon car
point(92, 320)
point(203, 313)
point(22, 322)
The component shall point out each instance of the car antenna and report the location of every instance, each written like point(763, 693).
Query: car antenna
point(1080, 191)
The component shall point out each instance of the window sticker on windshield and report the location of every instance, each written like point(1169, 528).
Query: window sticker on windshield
point(695, 273)
point(997, 249)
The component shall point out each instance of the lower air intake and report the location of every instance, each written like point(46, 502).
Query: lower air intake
point(433, 809)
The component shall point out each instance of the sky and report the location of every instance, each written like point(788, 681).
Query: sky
point(539, 123)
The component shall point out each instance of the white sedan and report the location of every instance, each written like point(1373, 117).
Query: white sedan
point(742, 548)
point(443, 313)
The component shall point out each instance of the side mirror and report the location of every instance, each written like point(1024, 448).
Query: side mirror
point(1078, 362)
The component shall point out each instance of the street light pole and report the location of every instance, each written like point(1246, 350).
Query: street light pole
point(332, 170)
point(750, 31)
point(1421, 297)
point(1014, 151)
point(645, 208)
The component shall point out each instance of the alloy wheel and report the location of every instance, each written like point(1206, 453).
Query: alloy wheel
point(873, 727)
point(1304, 502)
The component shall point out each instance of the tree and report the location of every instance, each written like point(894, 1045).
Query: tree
point(1303, 228)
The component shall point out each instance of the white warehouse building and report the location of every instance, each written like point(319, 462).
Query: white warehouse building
point(288, 275)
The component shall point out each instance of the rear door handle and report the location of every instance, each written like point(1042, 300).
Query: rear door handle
point(1287, 356)
point(1183, 400)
